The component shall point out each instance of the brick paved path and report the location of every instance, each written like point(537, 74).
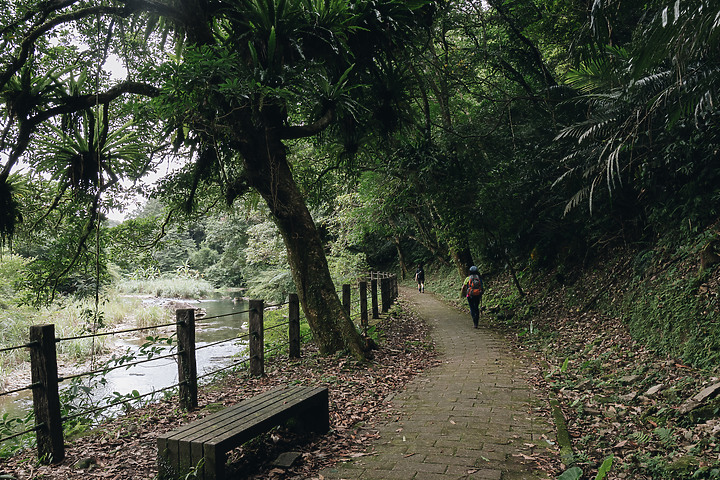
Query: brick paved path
point(471, 417)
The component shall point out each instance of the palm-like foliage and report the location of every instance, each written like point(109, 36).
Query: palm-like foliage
point(86, 154)
point(636, 99)
point(683, 40)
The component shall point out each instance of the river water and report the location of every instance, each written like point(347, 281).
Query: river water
point(162, 373)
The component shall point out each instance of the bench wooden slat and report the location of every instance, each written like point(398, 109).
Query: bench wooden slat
point(213, 436)
point(198, 425)
point(246, 408)
point(185, 445)
point(267, 416)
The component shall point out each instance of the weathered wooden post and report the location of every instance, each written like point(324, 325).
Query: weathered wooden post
point(294, 326)
point(395, 287)
point(257, 338)
point(362, 288)
point(373, 296)
point(187, 365)
point(385, 293)
point(346, 298)
point(46, 398)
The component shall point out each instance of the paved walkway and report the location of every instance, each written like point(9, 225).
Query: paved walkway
point(471, 417)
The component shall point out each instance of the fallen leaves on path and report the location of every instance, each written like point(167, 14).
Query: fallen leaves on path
point(656, 417)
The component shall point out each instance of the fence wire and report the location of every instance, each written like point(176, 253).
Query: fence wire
point(283, 324)
point(110, 369)
point(115, 332)
point(205, 319)
point(18, 347)
point(277, 305)
point(119, 402)
point(21, 389)
point(276, 348)
point(33, 429)
point(222, 341)
point(227, 367)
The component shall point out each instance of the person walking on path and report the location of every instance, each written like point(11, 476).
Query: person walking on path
point(474, 415)
point(420, 278)
point(473, 289)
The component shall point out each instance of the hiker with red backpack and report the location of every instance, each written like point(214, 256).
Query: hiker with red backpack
point(473, 289)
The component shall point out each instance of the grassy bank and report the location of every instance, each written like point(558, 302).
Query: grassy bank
point(167, 286)
point(74, 317)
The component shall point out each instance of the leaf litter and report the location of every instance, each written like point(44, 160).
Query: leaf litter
point(360, 397)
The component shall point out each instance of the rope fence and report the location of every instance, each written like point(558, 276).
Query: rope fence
point(17, 347)
point(45, 378)
point(20, 434)
point(115, 332)
point(116, 367)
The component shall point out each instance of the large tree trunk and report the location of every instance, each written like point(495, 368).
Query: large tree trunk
point(401, 257)
point(398, 247)
point(268, 172)
point(462, 258)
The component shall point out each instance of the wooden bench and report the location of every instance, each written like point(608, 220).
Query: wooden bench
point(212, 437)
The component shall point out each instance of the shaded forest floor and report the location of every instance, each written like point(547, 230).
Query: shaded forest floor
point(126, 447)
point(656, 417)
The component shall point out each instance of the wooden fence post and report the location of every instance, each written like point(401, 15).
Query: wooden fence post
point(395, 287)
point(257, 338)
point(46, 398)
point(385, 294)
point(363, 306)
point(346, 298)
point(294, 326)
point(187, 365)
point(373, 296)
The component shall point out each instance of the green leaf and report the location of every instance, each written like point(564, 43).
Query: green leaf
point(253, 54)
point(604, 468)
point(272, 43)
point(573, 473)
point(564, 367)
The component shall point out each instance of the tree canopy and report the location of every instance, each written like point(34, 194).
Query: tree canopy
point(502, 132)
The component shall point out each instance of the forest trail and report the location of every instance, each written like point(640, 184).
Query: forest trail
point(474, 416)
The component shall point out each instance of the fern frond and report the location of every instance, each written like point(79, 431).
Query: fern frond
point(665, 435)
point(576, 199)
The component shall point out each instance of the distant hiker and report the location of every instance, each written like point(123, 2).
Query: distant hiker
point(420, 278)
point(473, 289)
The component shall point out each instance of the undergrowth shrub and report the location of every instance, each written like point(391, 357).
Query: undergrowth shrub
point(673, 311)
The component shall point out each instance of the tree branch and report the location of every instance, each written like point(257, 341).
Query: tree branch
point(70, 105)
point(82, 102)
point(303, 131)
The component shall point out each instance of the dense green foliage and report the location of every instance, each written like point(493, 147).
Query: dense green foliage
point(510, 134)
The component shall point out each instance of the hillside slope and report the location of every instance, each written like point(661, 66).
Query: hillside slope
point(629, 347)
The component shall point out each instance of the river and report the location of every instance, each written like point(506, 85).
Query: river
point(162, 373)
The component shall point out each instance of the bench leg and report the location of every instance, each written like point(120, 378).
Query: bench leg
point(322, 413)
point(315, 415)
point(215, 460)
point(167, 459)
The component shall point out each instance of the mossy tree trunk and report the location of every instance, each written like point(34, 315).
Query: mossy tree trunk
point(268, 172)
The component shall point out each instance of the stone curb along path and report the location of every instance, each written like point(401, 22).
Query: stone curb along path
point(474, 416)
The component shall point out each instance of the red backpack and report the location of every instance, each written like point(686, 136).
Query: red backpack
point(475, 286)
